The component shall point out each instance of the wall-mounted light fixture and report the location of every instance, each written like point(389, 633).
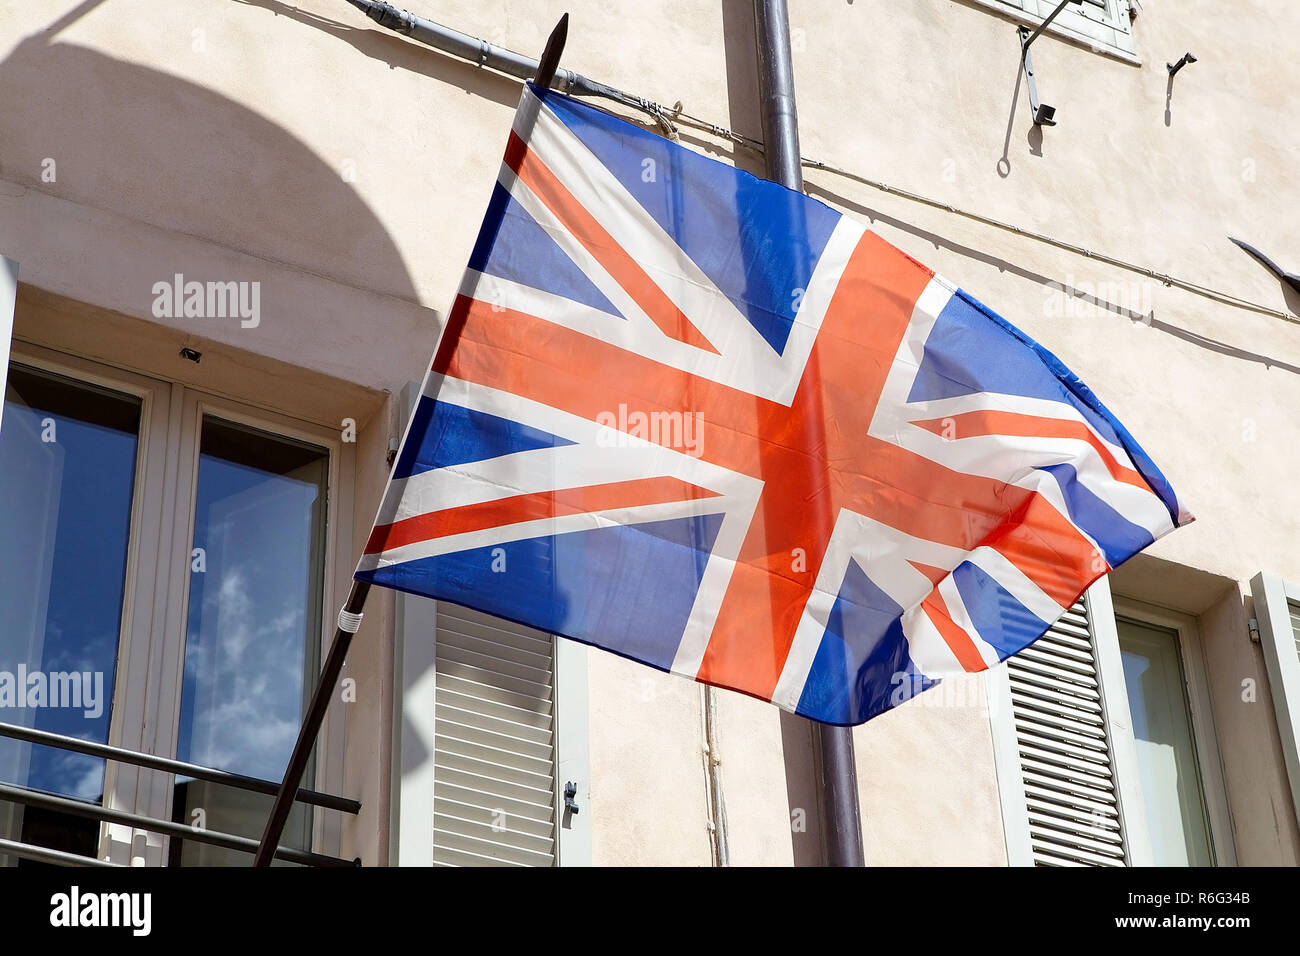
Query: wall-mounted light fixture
point(1044, 115)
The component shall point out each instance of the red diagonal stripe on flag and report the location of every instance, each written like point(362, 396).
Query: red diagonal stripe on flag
point(531, 507)
point(993, 422)
point(958, 641)
point(606, 250)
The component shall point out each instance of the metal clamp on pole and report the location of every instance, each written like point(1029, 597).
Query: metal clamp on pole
point(1044, 115)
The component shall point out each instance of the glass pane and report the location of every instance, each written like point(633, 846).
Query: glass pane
point(67, 472)
point(1162, 724)
point(253, 634)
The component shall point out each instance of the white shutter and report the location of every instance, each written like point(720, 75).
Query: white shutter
point(494, 791)
point(1277, 610)
point(1065, 748)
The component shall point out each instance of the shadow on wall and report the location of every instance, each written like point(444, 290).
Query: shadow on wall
point(160, 149)
point(403, 54)
point(1002, 265)
point(739, 48)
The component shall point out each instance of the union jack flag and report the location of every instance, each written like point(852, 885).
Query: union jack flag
point(710, 424)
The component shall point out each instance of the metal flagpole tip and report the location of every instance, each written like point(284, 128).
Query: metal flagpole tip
point(550, 60)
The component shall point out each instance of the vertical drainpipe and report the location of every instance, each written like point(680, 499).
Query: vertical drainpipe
point(834, 766)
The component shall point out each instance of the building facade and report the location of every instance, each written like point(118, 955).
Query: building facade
point(237, 229)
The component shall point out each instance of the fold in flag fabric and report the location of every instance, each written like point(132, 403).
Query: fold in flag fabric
point(710, 424)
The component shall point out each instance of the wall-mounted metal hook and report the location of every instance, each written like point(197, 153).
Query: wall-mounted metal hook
point(570, 792)
point(1044, 115)
point(1175, 67)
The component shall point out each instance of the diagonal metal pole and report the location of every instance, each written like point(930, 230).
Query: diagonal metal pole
point(1047, 22)
point(835, 768)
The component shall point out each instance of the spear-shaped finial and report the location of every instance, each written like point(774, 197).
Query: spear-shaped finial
point(550, 61)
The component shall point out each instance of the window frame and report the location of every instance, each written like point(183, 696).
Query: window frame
point(1191, 651)
point(8, 303)
point(336, 580)
point(1111, 36)
point(147, 684)
point(1273, 596)
point(572, 752)
point(1104, 609)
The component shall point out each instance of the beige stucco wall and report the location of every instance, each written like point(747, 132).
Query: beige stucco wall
point(347, 169)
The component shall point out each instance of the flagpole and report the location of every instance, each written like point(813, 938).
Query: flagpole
point(835, 770)
point(348, 624)
point(350, 617)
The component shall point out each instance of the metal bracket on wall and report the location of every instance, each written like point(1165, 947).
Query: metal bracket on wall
point(1044, 115)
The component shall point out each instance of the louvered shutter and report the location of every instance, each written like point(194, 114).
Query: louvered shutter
point(494, 791)
point(1064, 745)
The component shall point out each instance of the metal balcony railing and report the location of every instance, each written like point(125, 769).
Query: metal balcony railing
point(230, 841)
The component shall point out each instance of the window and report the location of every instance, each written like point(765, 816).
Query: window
point(68, 462)
point(1277, 611)
point(1101, 24)
point(1179, 768)
point(1166, 748)
point(254, 610)
point(1104, 742)
point(168, 557)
